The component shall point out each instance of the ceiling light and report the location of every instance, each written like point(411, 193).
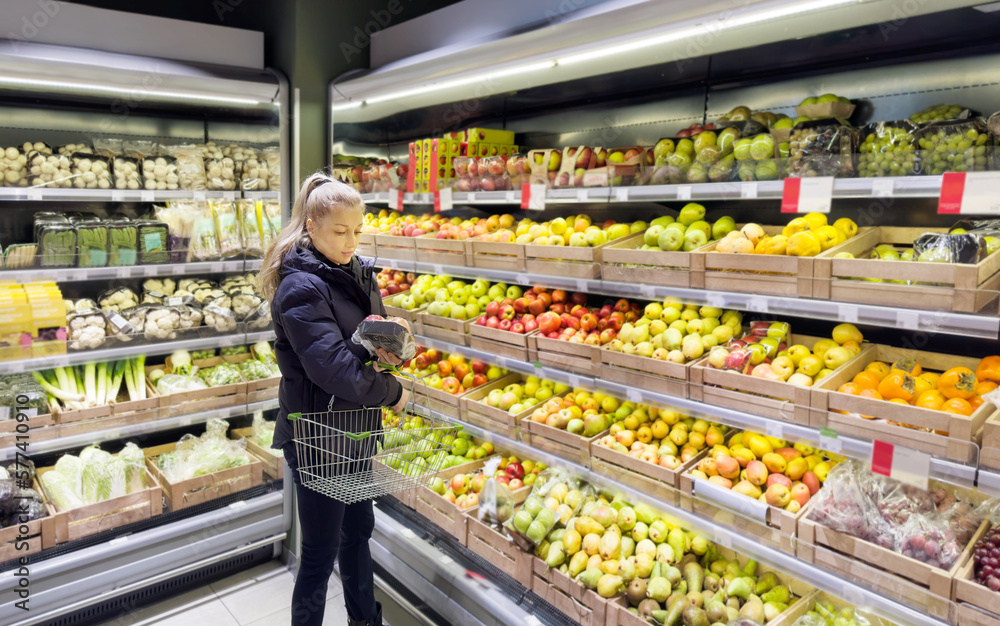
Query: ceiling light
point(123, 91)
point(460, 82)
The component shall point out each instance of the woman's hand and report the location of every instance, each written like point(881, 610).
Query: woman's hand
point(385, 357)
point(403, 399)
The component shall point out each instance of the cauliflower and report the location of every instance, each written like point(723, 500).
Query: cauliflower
point(261, 317)
point(87, 330)
point(84, 305)
point(219, 318)
point(152, 297)
point(190, 317)
point(244, 304)
point(119, 299)
point(161, 323)
point(208, 293)
point(165, 286)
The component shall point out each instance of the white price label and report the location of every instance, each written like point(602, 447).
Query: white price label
point(724, 538)
point(647, 291)
point(217, 268)
point(847, 313)
point(715, 299)
point(34, 194)
point(748, 190)
point(200, 196)
point(536, 197)
point(883, 187)
point(621, 195)
point(117, 541)
point(443, 200)
point(910, 320)
point(146, 196)
point(511, 197)
point(774, 429)
point(574, 381)
point(829, 441)
point(439, 270)
point(523, 279)
point(633, 395)
point(149, 270)
point(471, 197)
point(391, 264)
point(396, 200)
point(974, 193)
point(581, 195)
point(236, 506)
point(77, 276)
point(532, 621)
point(902, 464)
point(446, 560)
point(229, 196)
point(684, 192)
point(582, 285)
point(123, 272)
point(118, 196)
point(757, 305)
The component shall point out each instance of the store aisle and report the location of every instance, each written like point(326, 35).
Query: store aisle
point(260, 596)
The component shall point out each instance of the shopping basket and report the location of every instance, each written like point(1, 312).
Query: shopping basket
point(363, 454)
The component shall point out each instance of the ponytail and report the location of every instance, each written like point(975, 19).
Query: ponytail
point(318, 196)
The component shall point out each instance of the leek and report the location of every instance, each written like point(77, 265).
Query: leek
point(116, 381)
point(55, 391)
point(139, 369)
point(102, 384)
point(129, 382)
point(90, 384)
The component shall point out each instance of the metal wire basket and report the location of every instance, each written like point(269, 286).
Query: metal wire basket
point(363, 454)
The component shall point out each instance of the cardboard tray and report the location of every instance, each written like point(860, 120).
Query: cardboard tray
point(774, 399)
point(200, 489)
point(472, 409)
point(965, 288)
point(91, 519)
point(644, 372)
point(393, 247)
point(497, 256)
point(623, 261)
point(274, 464)
point(430, 249)
point(579, 358)
point(444, 328)
point(40, 534)
point(575, 448)
point(963, 431)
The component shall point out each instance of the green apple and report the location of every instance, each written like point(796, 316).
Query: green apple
point(785, 122)
point(638, 227)
point(578, 240)
point(703, 226)
point(762, 147)
point(808, 101)
point(691, 213)
point(827, 97)
point(408, 303)
point(496, 292)
point(616, 231)
point(479, 288)
point(458, 312)
point(722, 227)
point(596, 238)
point(694, 239)
point(742, 149)
point(460, 296)
point(472, 310)
point(483, 301)
point(670, 239)
point(514, 292)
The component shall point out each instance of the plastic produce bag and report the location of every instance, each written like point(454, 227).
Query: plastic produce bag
point(955, 146)
point(377, 332)
point(944, 248)
point(272, 159)
point(223, 374)
point(179, 218)
point(117, 477)
point(96, 475)
point(190, 167)
point(175, 383)
point(216, 428)
point(154, 242)
point(90, 171)
point(118, 299)
point(263, 432)
point(204, 236)
point(496, 500)
point(71, 468)
point(221, 173)
point(135, 467)
point(249, 228)
point(889, 149)
point(255, 370)
point(821, 148)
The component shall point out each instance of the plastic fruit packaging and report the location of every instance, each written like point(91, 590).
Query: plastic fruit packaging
point(956, 146)
point(391, 335)
point(940, 113)
point(888, 149)
point(821, 148)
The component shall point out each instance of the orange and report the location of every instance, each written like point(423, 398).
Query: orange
point(866, 380)
point(878, 368)
point(957, 405)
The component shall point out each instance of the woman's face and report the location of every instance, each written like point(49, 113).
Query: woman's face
point(337, 236)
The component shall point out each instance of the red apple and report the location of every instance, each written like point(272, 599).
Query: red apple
point(548, 322)
point(558, 295)
point(515, 484)
point(481, 321)
point(536, 306)
point(450, 385)
point(515, 470)
point(505, 324)
point(579, 298)
point(507, 312)
point(503, 480)
point(493, 308)
point(530, 325)
point(517, 327)
point(478, 379)
point(478, 367)
point(558, 308)
point(493, 322)
point(588, 322)
point(608, 335)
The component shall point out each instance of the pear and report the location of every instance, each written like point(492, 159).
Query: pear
point(647, 607)
point(636, 592)
point(766, 582)
point(694, 616)
point(609, 585)
point(740, 588)
point(658, 589)
point(778, 594)
point(589, 578)
point(753, 609)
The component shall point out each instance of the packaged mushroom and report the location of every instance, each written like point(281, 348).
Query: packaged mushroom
point(272, 156)
point(38, 146)
point(120, 299)
point(160, 173)
point(190, 167)
point(126, 171)
point(72, 148)
point(220, 170)
point(49, 170)
point(90, 171)
point(255, 175)
point(13, 167)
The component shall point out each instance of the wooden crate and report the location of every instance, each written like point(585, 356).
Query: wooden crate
point(9, 425)
point(499, 342)
point(963, 431)
point(572, 261)
point(923, 586)
point(644, 372)
point(444, 328)
point(393, 247)
point(274, 464)
point(408, 315)
point(806, 604)
point(968, 592)
point(498, 549)
point(623, 261)
point(961, 288)
point(40, 534)
point(430, 249)
point(497, 256)
point(91, 519)
point(192, 491)
point(474, 410)
point(68, 416)
point(774, 399)
point(579, 603)
point(438, 400)
point(647, 484)
point(969, 615)
point(366, 245)
point(188, 396)
point(989, 451)
point(575, 448)
point(439, 509)
point(579, 358)
point(149, 406)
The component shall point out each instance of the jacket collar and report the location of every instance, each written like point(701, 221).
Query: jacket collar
point(302, 259)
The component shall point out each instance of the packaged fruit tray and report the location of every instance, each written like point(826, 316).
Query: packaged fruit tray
point(430, 249)
point(775, 275)
point(908, 579)
point(943, 286)
point(499, 342)
point(571, 261)
point(580, 358)
point(476, 410)
point(366, 245)
point(968, 591)
point(496, 255)
point(445, 328)
point(767, 397)
point(396, 247)
point(842, 410)
point(623, 260)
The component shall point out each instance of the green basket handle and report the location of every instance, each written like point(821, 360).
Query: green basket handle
point(358, 436)
point(294, 416)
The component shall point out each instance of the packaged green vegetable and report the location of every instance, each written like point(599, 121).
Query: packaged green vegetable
point(135, 467)
point(204, 237)
point(59, 491)
point(58, 245)
point(92, 245)
point(234, 350)
point(255, 370)
point(154, 242)
point(123, 248)
point(224, 374)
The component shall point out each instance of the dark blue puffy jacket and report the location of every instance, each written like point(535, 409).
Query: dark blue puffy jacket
point(316, 310)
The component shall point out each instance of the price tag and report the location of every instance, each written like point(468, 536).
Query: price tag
point(117, 541)
point(910, 320)
point(533, 197)
point(443, 200)
point(829, 441)
point(902, 464)
point(123, 272)
point(807, 195)
point(724, 538)
point(883, 187)
point(391, 264)
point(16, 366)
point(582, 285)
point(409, 534)
point(647, 291)
point(78, 276)
point(621, 194)
point(118, 196)
point(446, 560)
point(633, 395)
point(200, 196)
point(149, 270)
point(217, 268)
point(581, 195)
point(852, 594)
point(146, 196)
point(236, 506)
point(229, 196)
point(970, 193)
point(847, 313)
point(396, 199)
point(774, 429)
point(536, 364)
point(748, 190)
point(34, 194)
point(715, 299)
point(684, 192)
point(501, 362)
point(758, 305)
point(523, 279)
point(439, 270)
point(532, 621)
point(472, 196)
point(511, 197)
point(574, 381)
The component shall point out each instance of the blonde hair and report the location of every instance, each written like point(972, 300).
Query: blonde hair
point(318, 196)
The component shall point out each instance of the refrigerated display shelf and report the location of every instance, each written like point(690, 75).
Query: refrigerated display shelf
point(943, 470)
point(42, 194)
point(82, 274)
point(750, 546)
point(886, 187)
point(964, 324)
point(149, 349)
point(135, 430)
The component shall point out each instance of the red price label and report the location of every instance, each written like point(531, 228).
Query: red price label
point(533, 197)
point(396, 200)
point(972, 193)
point(902, 464)
point(807, 195)
point(442, 200)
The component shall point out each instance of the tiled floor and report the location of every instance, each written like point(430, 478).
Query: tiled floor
point(261, 596)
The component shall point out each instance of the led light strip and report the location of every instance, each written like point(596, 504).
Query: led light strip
point(711, 27)
point(34, 82)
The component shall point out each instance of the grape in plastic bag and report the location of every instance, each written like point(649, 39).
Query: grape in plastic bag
point(377, 332)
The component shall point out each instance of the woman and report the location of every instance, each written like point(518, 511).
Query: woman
point(319, 293)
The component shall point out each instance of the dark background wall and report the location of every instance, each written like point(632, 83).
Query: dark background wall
point(310, 41)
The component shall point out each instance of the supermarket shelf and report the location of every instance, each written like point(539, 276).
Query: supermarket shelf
point(149, 349)
point(941, 469)
point(82, 578)
point(737, 539)
point(887, 187)
point(42, 194)
point(988, 482)
point(81, 274)
point(889, 317)
point(135, 430)
point(262, 195)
